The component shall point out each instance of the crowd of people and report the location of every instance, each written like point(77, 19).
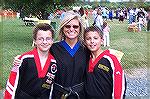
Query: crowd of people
point(134, 15)
point(75, 67)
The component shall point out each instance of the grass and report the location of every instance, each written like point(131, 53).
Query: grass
point(134, 45)
point(16, 38)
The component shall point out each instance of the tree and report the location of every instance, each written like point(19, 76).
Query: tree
point(37, 8)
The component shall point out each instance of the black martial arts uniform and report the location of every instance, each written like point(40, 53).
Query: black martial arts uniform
point(28, 80)
point(71, 65)
point(105, 78)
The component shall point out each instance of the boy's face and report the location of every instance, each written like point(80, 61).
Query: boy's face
point(43, 40)
point(93, 41)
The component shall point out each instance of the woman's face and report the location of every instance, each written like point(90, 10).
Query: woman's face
point(72, 29)
point(93, 41)
point(43, 40)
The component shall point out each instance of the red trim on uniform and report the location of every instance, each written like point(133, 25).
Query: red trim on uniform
point(46, 66)
point(118, 74)
point(7, 95)
point(92, 64)
point(12, 78)
point(42, 72)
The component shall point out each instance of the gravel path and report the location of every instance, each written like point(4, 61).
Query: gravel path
point(138, 83)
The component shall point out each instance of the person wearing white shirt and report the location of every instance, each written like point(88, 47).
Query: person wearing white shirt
point(99, 19)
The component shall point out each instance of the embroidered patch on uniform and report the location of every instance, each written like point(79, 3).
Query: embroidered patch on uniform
point(50, 75)
point(49, 81)
point(47, 86)
point(53, 68)
point(50, 78)
point(103, 67)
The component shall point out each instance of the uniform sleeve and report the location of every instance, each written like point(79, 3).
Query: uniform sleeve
point(12, 83)
point(119, 84)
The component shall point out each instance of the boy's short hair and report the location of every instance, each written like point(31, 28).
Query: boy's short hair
point(94, 29)
point(44, 27)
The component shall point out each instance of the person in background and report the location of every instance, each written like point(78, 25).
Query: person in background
point(105, 77)
point(84, 18)
point(134, 15)
point(63, 13)
point(131, 15)
point(111, 14)
point(99, 19)
point(140, 14)
point(148, 20)
point(33, 77)
point(121, 16)
point(51, 16)
point(117, 13)
point(106, 30)
point(18, 14)
point(105, 13)
point(71, 57)
point(140, 23)
point(94, 13)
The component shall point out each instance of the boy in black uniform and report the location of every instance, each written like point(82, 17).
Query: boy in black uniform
point(33, 77)
point(105, 76)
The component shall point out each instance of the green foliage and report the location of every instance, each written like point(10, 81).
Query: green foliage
point(36, 7)
point(42, 7)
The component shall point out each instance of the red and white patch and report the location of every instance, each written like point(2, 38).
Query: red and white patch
point(50, 75)
point(54, 68)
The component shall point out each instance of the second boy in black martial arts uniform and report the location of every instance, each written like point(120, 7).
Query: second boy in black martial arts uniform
point(105, 76)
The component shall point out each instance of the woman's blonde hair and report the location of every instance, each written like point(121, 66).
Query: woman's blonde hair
point(70, 15)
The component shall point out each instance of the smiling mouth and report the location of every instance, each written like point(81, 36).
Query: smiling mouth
point(71, 33)
point(92, 46)
point(44, 46)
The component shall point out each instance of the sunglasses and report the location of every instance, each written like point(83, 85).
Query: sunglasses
point(74, 26)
